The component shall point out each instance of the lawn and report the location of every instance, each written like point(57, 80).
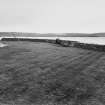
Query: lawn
point(36, 73)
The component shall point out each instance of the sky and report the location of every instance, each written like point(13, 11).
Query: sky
point(52, 16)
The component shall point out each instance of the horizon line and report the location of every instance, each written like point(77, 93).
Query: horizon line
point(53, 32)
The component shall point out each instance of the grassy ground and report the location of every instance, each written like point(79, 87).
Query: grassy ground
point(46, 74)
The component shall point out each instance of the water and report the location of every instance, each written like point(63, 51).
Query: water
point(90, 40)
point(2, 45)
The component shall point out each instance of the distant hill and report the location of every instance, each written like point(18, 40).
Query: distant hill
point(15, 34)
point(84, 35)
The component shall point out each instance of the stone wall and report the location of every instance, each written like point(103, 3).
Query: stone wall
point(64, 43)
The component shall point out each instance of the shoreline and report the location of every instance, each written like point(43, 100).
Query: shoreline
point(87, 40)
point(63, 43)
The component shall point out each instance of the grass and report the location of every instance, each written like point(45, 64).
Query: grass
point(34, 73)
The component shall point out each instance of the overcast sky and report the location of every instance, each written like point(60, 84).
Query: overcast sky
point(52, 15)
